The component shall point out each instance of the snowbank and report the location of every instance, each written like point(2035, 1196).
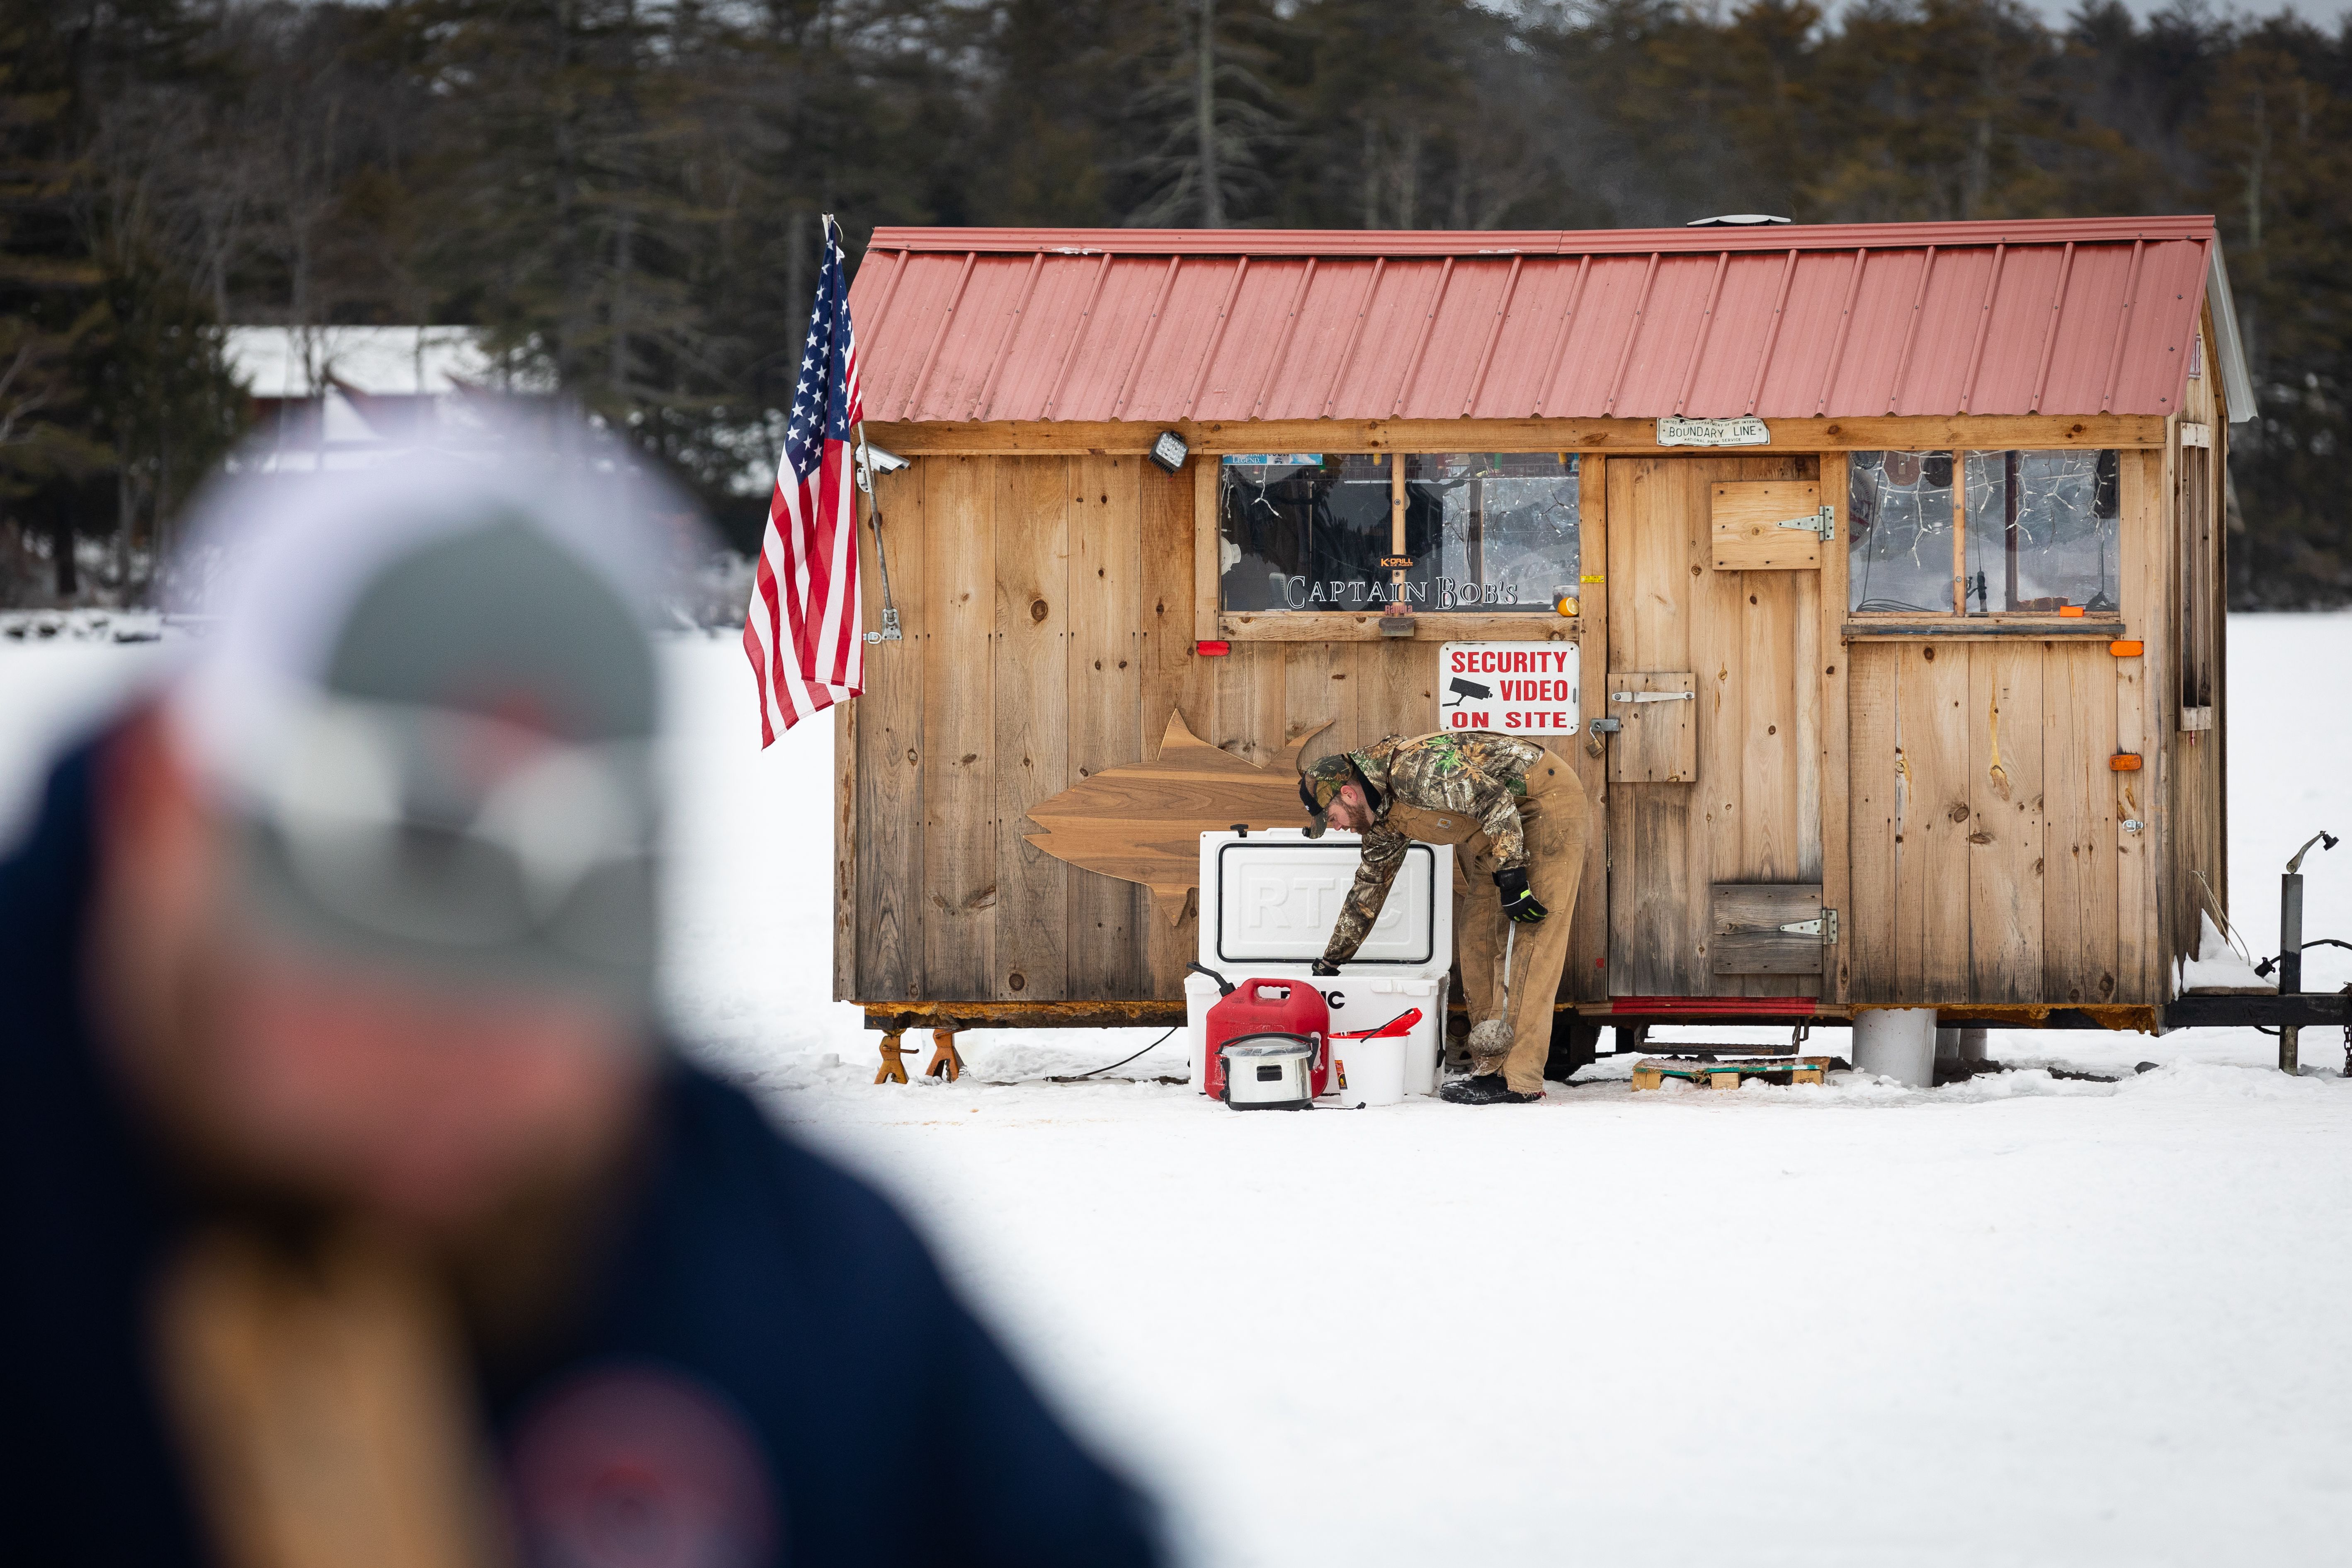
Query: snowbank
point(2025, 1318)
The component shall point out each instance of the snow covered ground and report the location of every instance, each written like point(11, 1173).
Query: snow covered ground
point(2026, 1318)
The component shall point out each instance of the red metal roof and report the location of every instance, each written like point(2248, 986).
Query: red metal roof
point(2063, 316)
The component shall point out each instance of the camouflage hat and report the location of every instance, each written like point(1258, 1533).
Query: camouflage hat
point(1321, 780)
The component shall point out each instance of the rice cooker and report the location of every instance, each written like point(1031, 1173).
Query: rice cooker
point(1269, 1072)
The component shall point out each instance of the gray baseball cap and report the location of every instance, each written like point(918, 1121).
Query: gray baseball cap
point(430, 703)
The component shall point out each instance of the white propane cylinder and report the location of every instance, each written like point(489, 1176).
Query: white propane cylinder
point(1897, 1043)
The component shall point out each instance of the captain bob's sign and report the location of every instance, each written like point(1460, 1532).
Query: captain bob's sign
point(1516, 688)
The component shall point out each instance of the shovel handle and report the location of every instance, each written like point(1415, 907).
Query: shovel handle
point(1400, 1024)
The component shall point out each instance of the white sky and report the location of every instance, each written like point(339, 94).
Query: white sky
point(2329, 14)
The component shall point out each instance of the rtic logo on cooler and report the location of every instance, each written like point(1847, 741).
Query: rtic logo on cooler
point(1516, 688)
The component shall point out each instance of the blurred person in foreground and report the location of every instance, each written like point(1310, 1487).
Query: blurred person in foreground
point(356, 1210)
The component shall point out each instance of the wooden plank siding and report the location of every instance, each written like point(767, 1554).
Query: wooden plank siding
point(1831, 742)
point(890, 886)
point(958, 635)
point(1175, 681)
point(1749, 641)
point(1587, 976)
point(2196, 866)
point(2078, 826)
point(2006, 789)
point(1954, 882)
point(991, 705)
point(1932, 905)
point(844, 851)
point(1972, 886)
point(1878, 792)
point(2139, 715)
point(1032, 719)
point(1106, 708)
point(1656, 918)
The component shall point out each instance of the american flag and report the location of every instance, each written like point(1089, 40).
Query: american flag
point(803, 631)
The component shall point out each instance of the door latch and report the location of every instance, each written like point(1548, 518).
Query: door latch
point(1654, 697)
point(1600, 727)
point(1823, 522)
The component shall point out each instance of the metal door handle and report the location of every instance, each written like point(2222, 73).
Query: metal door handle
point(1654, 697)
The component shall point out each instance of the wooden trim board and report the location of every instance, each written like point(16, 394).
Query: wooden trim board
point(1972, 628)
point(1208, 575)
point(1450, 626)
point(1923, 433)
point(1834, 740)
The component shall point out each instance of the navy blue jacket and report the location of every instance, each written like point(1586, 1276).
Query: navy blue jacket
point(891, 1427)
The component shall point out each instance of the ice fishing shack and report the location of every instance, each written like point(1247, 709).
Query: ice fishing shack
point(1869, 576)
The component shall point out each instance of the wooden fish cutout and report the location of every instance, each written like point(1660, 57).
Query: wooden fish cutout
point(1143, 821)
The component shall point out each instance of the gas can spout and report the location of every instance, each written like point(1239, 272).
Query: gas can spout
point(1224, 986)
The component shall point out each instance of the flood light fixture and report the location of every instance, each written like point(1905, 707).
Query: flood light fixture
point(1169, 451)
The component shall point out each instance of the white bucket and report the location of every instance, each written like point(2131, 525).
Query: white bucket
point(1897, 1043)
point(1367, 1072)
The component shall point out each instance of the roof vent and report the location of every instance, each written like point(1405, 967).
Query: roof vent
point(1733, 219)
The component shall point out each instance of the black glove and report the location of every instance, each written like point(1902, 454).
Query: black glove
point(1517, 902)
point(1323, 968)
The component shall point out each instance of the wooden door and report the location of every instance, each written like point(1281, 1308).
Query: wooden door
point(1738, 825)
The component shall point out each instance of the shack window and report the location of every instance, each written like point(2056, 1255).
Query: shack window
point(1301, 531)
point(1982, 534)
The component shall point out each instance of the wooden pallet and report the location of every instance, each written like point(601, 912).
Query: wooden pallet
point(1652, 1072)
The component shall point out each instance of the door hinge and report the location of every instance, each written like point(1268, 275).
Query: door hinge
point(1823, 925)
point(1823, 522)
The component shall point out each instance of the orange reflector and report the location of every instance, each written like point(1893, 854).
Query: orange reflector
point(2071, 612)
point(1212, 650)
point(2127, 649)
point(2124, 761)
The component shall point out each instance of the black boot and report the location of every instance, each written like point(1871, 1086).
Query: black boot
point(1485, 1088)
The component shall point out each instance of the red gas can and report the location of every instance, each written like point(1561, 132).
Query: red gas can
point(1269, 1007)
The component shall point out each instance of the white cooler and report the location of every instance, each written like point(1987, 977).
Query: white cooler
point(1268, 900)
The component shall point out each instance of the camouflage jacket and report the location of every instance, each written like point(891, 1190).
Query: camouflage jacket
point(1475, 776)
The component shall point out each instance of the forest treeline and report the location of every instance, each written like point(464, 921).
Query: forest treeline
point(624, 194)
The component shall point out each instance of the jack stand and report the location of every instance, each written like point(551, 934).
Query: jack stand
point(2290, 958)
point(944, 1059)
point(893, 1069)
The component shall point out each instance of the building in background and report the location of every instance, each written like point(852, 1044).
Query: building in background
point(334, 397)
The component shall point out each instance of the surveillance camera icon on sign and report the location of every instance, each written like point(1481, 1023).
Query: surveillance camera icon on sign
point(1469, 689)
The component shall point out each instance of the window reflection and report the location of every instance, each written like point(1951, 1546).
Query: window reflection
point(1899, 531)
point(1507, 524)
point(2037, 531)
point(1308, 532)
point(2041, 532)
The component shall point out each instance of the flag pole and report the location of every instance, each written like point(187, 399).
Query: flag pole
point(889, 632)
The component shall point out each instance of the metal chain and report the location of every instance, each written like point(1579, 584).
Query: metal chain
point(889, 632)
